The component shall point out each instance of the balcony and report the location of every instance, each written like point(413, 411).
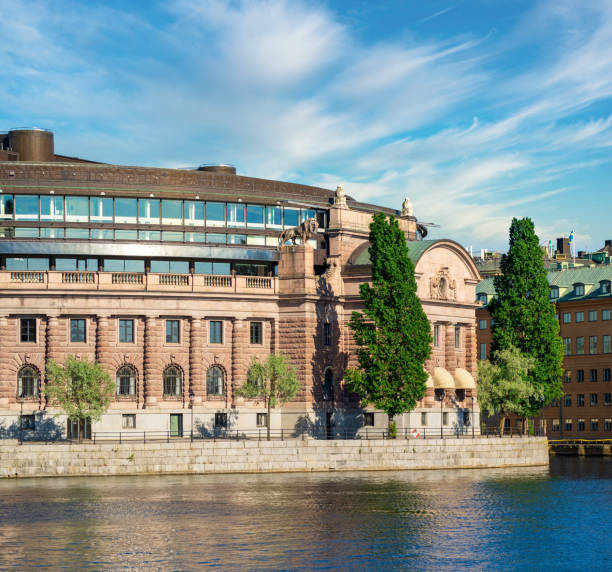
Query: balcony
point(136, 281)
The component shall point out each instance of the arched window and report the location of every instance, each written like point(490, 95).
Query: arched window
point(126, 381)
point(328, 385)
point(27, 381)
point(173, 380)
point(215, 381)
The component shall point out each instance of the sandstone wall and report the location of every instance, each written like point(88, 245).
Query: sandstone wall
point(182, 456)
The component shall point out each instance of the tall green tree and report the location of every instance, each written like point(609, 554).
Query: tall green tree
point(524, 316)
point(275, 380)
point(503, 384)
point(83, 389)
point(393, 332)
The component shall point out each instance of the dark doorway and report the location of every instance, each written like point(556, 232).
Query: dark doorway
point(329, 426)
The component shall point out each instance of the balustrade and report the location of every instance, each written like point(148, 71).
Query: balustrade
point(28, 276)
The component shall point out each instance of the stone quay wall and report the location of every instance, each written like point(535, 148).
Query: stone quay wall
point(207, 457)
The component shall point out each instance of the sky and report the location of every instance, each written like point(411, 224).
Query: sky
point(478, 111)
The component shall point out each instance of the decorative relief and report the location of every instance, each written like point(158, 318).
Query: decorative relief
point(442, 286)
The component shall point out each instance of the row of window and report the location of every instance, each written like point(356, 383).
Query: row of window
point(28, 381)
point(567, 316)
point(593, 399)
point(436, 336)
point(215, 238)
point(151, 211)
point(126, 331)
point(579, 289)
point(605, 346)
point(62, 264)
point(581, 425)
point(593, 373)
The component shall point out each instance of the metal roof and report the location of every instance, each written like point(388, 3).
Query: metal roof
point(416, 249)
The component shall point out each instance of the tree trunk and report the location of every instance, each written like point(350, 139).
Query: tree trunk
point(502, 422)
point(268, 419)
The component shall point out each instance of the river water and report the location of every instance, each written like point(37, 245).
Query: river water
point(512, 519)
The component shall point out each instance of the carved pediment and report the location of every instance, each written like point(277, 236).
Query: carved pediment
point(442, 286)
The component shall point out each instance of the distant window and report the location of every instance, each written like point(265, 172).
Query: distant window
point(172, 381)
point(568, 424)
point(606, 344)
point(128, 421)
point(368, 419)
point(256, 333)
point(608, 424)
point(482, 297)
point(567, 402)
point(216, 332)
point(482, 325)
point(436, 335)
point(594, 424)
point(581, 425)
point(605, 286)
point(457, 336)
point(28, 330)
point(445, 418)
point(592, 375)
point(483, 351)
point(220, 419)
point(606, 374)
point(578, 289)
point(126, 381)
point(566, 377)
point(423, 419)
point(173, 328)
point(126, 331)
point(605, 315)
point(607, 399)
point(579, 317)
point(580, 400)
point(328, 385)
point(567, 317)
point(580, 345)
point(593, 399)
point(592, 315)
point(262, 419)
point(27, 382)
point(580, 375)
point(567, 346)
point(77, 330)
point(327, 334)
point(555, 425)
point(554, 292)
point(215, 381)
point(592, 344)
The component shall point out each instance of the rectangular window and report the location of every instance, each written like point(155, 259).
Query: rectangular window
point(126, 331)
point(236, 215)
point(215, 214)
point(256, 333)
point(327, 334)
point(194, 213)
point(255, 216)
point(592, 344)
point(592, 315)
point(128, 421)
point(368, 419)
point(262, 419)
point(580, 400)
point(126, 211)
point(593, 399)
point(6, 206)
point(27, 422)
point(568, 424)
point(578, 289)
point(173, 328)
point(607, 400)
point(148, 211)
point(216, 238)
point(220, 419)
point(567, 346)
point(581, 424)
point(606, 374)
point(445, 418)
point(483, 351)
point(608, 424)
point(423, 419)
point(77, 209)
point(274, 216)
point(236, 239)
point(567, 317)
point(292, 217)
point(77, 233)
point(605, 315)
point(28, 330)
point(606, 344)
point(566, 377)
point(580, 375)
point(51, 208)
point(482, 325)
point(23, 232)
point(53, 233)
point(216, 332)
point(555, 425)
point(26, 207)
point(172, 212)
point(77, 330)
point(27, 263)
point(567, 402)
point(580, 345)
point(436, 336)
point(100, 209)
point(579, 317)
point(594, 424)
point(457, 336)
point(593, 375)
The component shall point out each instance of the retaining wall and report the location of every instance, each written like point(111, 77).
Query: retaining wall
point(224, 456)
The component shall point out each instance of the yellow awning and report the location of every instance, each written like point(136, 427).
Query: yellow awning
point(464, 379)
point(443, 379)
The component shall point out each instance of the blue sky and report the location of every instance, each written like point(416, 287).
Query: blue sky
point(477, 110)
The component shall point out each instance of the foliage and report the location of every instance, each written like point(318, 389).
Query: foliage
point(393, 332)
point(275, 380)
point(504, 386)
point(393, 430)
point(523, 315)
point(82, 388)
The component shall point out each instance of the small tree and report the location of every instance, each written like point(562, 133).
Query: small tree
point(524, 317)
point(393, 332)
point(504, 387)
point(275, 380)
point(82, 388)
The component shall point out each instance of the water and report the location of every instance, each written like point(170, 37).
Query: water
point(517, 519)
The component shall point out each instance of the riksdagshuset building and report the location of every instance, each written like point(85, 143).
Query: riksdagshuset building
point(173, 280)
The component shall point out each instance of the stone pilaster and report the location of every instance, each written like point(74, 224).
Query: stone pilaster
point(196, 361)
point(104, 341)
point(240, 356)
point(56, 340)
point(6, 387)
point(450, 357)
point(152, 369)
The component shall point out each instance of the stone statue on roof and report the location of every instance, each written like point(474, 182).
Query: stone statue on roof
point(407, 207)
point(340, 197)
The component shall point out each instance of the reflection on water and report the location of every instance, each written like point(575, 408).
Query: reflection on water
point(478, 519)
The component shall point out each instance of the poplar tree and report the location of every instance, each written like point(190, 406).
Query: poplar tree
point(393, 332)
point(524, 316)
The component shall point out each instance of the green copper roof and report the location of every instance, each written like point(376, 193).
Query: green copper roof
point(592, 278)
point(416, 248)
